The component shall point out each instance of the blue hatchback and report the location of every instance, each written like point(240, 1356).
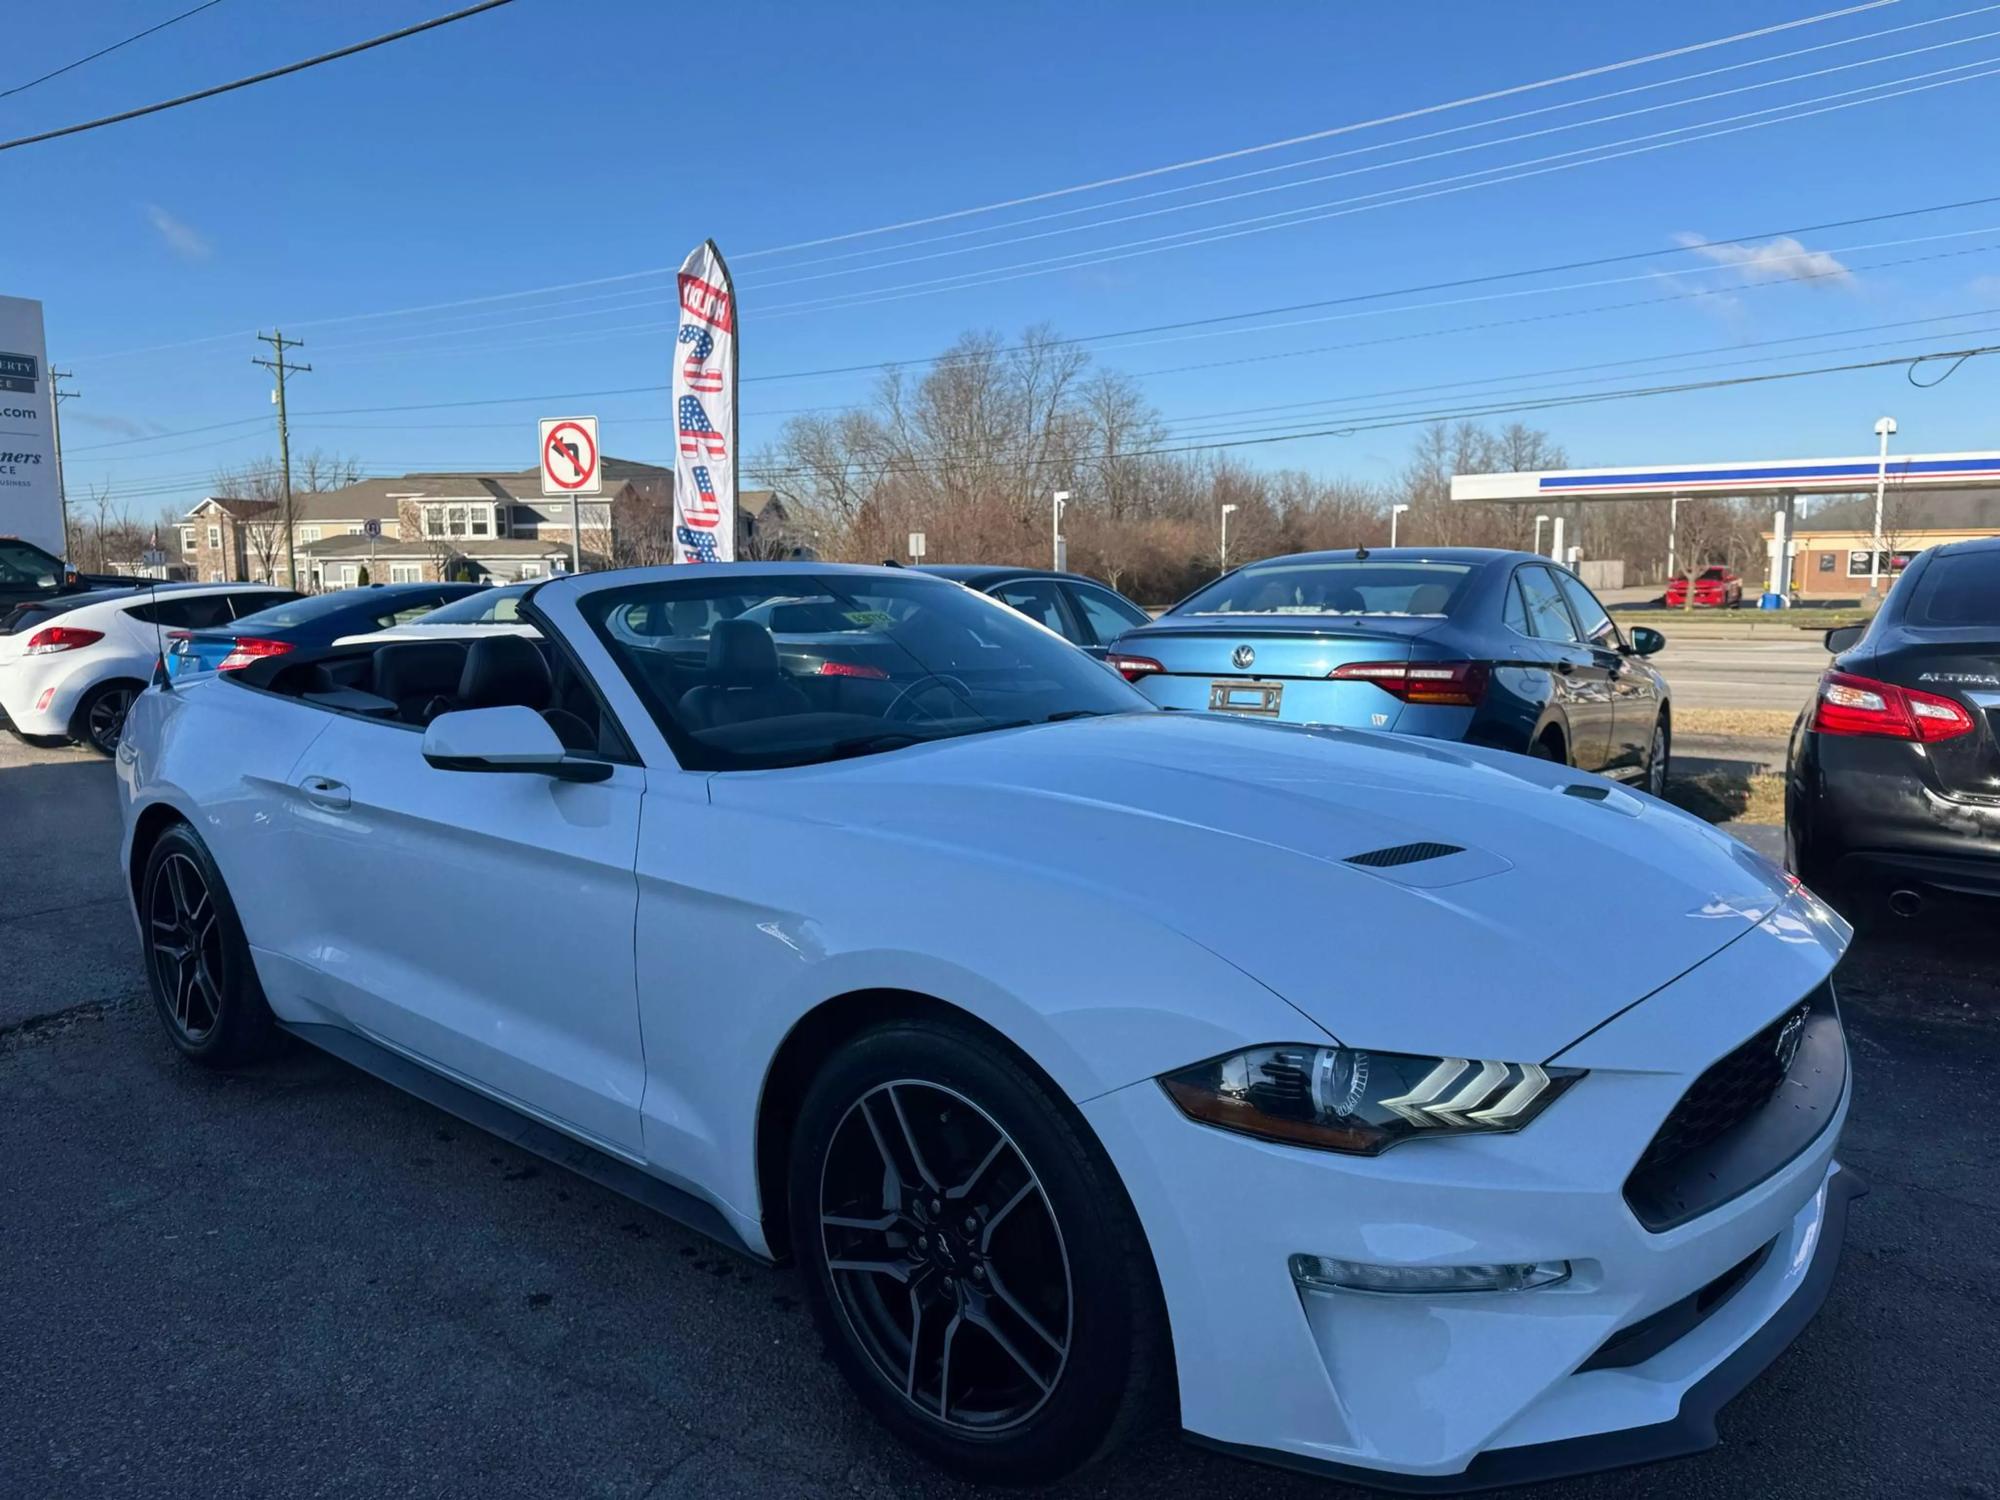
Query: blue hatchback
point(1502, 649)
point(304, 623)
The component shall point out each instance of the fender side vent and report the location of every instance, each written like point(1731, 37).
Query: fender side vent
point(1403, 854)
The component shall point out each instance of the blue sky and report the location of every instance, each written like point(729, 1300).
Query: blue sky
point(548, 144)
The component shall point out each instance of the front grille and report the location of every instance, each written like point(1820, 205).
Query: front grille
point(1403, 854)
point(1726, 1095)
point(1745, 1117)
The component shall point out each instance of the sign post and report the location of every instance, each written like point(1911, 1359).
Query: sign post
point(570, 467)
point(30, 491)
point(917, 546)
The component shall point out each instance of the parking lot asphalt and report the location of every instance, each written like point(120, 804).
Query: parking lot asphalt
point(296, 1281)
point(1707, 672)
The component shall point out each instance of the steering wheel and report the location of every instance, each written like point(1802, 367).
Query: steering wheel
point(924, 684)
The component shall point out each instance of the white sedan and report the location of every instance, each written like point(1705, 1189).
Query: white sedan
point(1366, 1105)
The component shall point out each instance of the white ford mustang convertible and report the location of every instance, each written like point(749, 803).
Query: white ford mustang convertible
point(1383, 1108)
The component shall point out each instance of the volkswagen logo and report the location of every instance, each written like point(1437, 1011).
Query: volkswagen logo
point(1243, 657)
point(1788, 1039)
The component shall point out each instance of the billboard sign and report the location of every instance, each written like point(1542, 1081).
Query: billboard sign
point(30, 497)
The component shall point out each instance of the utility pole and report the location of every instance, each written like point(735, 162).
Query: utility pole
point(279, 344)
point(62, 489)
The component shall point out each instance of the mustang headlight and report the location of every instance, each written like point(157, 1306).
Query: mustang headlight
point(1344, 1099)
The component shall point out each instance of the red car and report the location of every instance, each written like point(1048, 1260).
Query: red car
point(1716, 588)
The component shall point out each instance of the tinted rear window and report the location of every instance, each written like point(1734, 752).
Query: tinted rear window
point(314, 607)
point(1959, 588)
point(1334, 588)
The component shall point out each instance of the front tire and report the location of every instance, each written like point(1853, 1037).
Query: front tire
point(1659, 761)
point(973, 1263)
point(197, 959)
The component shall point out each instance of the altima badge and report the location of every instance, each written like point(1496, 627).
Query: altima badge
point(1244, 658)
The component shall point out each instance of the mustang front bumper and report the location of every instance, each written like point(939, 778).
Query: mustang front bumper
point(1627, 1361)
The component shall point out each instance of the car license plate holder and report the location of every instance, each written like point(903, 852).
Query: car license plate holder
point(1236, 696)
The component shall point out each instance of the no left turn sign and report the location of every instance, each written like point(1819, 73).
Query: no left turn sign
point(569, 456)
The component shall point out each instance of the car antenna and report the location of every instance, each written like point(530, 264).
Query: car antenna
point(162, 678)
point(1361, 553)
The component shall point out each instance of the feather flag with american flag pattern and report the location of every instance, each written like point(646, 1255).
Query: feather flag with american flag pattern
point(704, 395)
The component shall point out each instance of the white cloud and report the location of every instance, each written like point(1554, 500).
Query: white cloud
point(1782, 259)
point(184, 240)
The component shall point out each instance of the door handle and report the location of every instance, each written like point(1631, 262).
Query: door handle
point(1566, 667)
point(323, 791)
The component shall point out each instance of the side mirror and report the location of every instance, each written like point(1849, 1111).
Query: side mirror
point(505, 739)
point(1646, 640)
point(1846, 638)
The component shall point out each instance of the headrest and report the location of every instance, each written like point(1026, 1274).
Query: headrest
point(1429, 599)
point(741, 651)
point(410, 669)
point(504, 671)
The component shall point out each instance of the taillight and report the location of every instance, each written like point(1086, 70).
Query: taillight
point(60, 638)
point(248, 649)
point(1457, 684)
point(850, 669)
point(1848, 704)
point(1132, 668)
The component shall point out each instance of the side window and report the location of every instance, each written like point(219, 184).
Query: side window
point(1105, 616)
point(1040, 601)
point(21, 564)
point(1514, 614)
point(1597, 626)
point(1548, 616)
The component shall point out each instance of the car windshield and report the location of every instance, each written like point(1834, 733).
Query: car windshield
point(488, 607)
point(791, 669)
point(1344, 587)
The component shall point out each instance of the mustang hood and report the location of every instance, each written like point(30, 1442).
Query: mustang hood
point(1404, 894)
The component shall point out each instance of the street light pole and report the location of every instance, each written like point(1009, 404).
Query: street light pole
point(1060, 499)
point(1227, 511)
point(1539, 522)
point(1884, 429)
point(1395, 513)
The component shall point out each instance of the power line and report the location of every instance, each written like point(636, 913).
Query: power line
point(264, 77)
point(22, 88)
point(1640, 88)
point(1343, 207)
point(1320, 135)
point(1404, 161)
point(1085, 187)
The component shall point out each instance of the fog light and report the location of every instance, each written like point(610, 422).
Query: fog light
point(1323, 1273)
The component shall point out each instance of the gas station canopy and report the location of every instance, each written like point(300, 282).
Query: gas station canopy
point(1776, 478)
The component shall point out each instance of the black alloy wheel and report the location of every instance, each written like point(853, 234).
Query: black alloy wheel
point(971, 1257)
point(100, 718)
point(185, 935)
point(947, 1260)
point(197, 959)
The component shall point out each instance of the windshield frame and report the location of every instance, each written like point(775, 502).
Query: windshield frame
point(871, 735)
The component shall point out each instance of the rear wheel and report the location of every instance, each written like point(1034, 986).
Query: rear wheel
point(1549, 747)
point(197, 960)
point(972, 1260)
point(100, 718)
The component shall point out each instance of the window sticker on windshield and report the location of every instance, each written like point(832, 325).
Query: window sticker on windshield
point(868, 617)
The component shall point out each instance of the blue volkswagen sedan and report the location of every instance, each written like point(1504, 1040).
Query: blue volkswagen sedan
point(1502, 649)
point(303, 622)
